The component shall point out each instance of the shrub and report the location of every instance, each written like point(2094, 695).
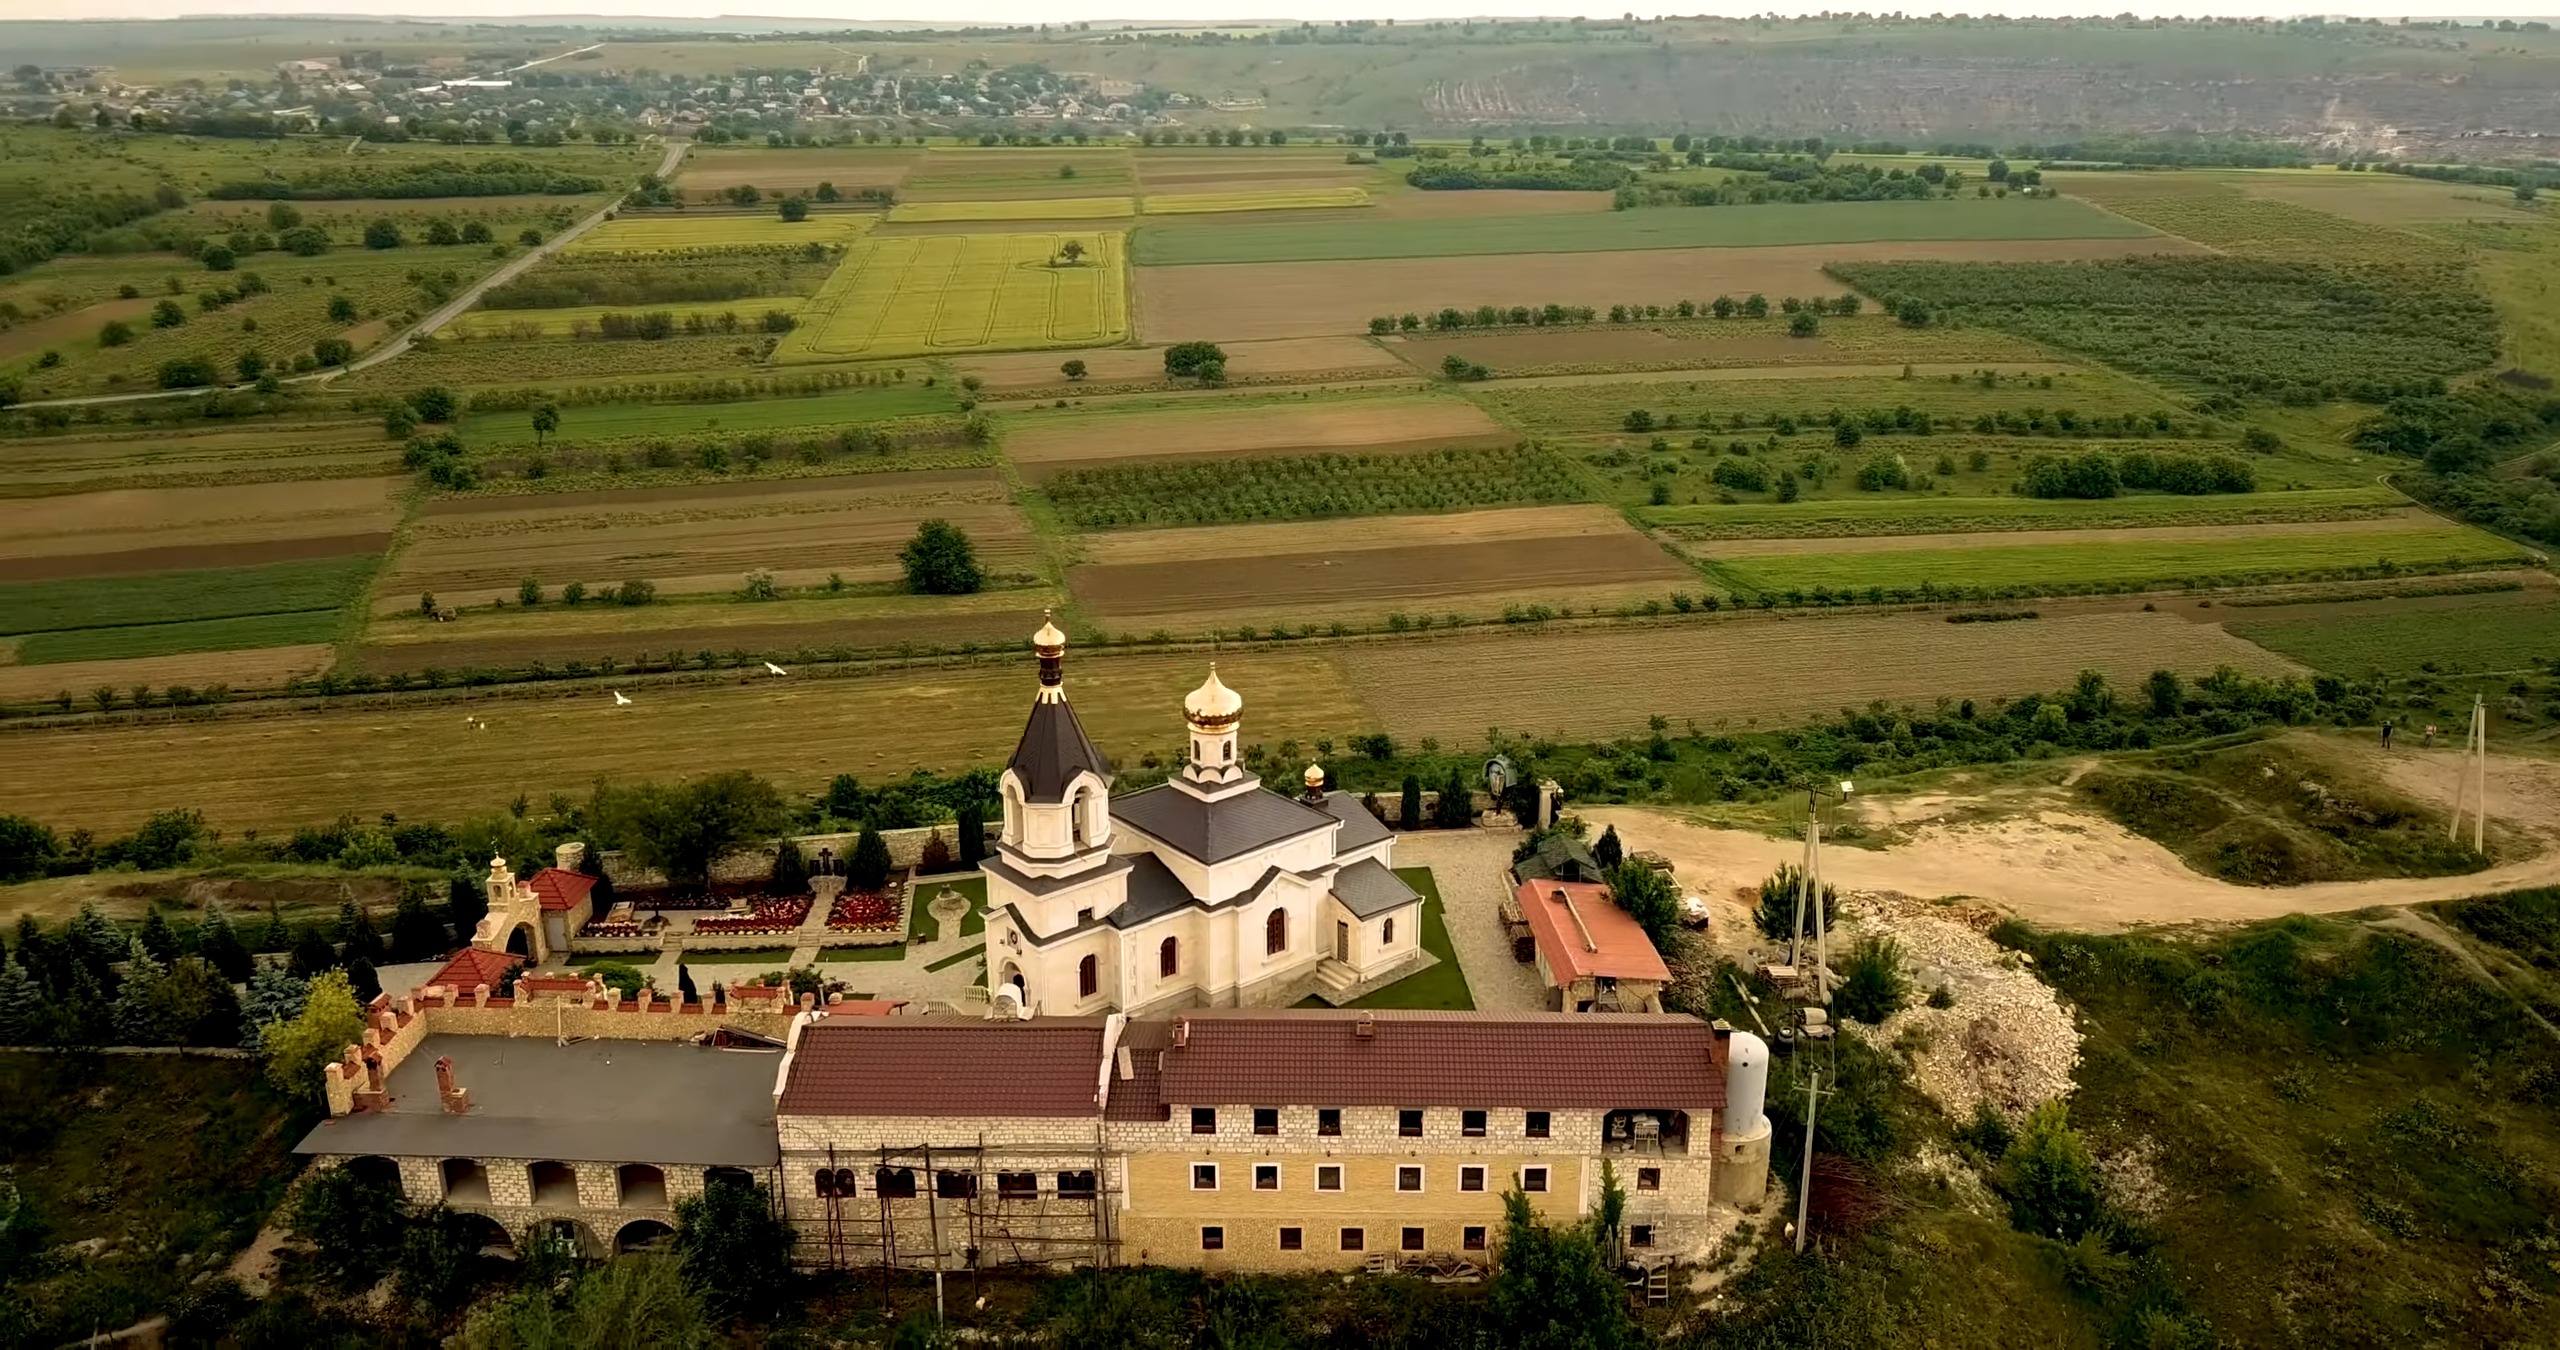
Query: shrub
point(2048, 1177)
point(1873, 985)
point(1775, 915)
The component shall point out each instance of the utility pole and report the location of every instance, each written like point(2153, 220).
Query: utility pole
point(1804, 1189)
point(1809, 895)
point(2471, 780)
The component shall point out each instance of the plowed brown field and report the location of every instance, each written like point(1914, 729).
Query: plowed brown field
point(1360, 424)
point(169, 529)
point(1238, 301)
point(1129, 365)
point(264, 668)
point(708, 171)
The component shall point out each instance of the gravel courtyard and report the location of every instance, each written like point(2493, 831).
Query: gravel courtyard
point(1472, 867)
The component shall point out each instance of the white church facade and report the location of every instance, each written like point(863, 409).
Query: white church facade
point(1209, 890)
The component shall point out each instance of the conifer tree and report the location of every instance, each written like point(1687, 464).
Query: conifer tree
point(158, 938)
point(1409, 810)
point(790, 870)
point(275, 937)
point(684, 984)
point(465, 903)
point(139, 1016)
point(22, 1009)
point(868, 869)
point(357, 937)
point(221, 948)
point(973, 836)
point(416, 933)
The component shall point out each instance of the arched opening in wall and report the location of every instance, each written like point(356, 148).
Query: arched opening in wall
point(486, 1235)
point(1088, 978)
point(642, 1235)
point(727, 1176)
point(642, 1186)
point(894, 1183)
point(375, 1170)
point(520, 941)
point(566, 1235)
point(1075, 819)
point(1387, 933)
point(465, 1182)
point(1169, 958)
point(555, 1185)
point(1012, 975)
point(1275, 933)
point(1012, 815)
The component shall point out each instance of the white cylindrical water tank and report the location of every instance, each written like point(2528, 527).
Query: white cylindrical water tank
point(1746, 1082)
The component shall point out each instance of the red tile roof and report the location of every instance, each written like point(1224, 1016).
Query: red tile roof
point(944, 1066)
point(1533, 1060)
point(1607, 942)
point(561, 890)
point(471, 967)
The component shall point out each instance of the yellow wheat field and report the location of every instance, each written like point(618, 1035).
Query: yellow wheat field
point(1269, 199)
point(1052, 208)
point(920, 295)
point(691, 233)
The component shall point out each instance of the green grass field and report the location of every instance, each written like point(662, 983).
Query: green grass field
point(1589, 408)
point(2502, 632)
point(2166, 562)
point(177, 597)
point(1272, 199)
point(1054, 208)
point(923, 927)
point(921, 294)
point(172, 639)
point(1443, 987)
point(1872, 515)
point(609, 421)
point(1667, 227)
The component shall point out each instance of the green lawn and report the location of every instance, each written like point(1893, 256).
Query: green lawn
point(886, 951)
point(923, 927)
point(1664, 227)
point(171, 639)
point(1875, 514)
point(2501, 632)
point(1442, 987)
point(964, 954)
point(173, 597)
point(2169, 562)
point(609, 421)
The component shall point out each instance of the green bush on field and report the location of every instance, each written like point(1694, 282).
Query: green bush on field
point(1308, 487)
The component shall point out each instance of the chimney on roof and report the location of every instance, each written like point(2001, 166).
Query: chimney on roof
point(457, 1100)
point(1181, 1032)
point(1366, 1027)
point(569, 856)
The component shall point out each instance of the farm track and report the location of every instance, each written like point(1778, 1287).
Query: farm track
point(2397, 522)
point(1728, 374)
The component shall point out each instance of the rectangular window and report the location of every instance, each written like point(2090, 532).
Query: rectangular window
point(1412, 1239)
point(1648, 1178)
point(1329, 1177)
point(1075, 1186)
point(1293, 1239)
point(1473, 1237)
point(1266, 1176)
point(1470, 1178)
point(955, 1185)
point(1266, 1120)
point(1204, 1120)
point(1204, 1177)
point(1640, 1235)
point(1531, 1179)
point(1213, 1239)
point(1408, 1178)
point(1537, 1128)
point(1329, 1120)
point(1354, 1239)
point(1409, 1123)
point(1017, 1185)
point(1471, 1124)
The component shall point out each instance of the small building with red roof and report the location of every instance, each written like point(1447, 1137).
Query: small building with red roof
point(1593, 955)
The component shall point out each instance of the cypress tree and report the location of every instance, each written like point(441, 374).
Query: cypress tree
point(790, 870)
point(1409, 811)
point(868, 869)
point(221, 948)
point(416, 933)
point(465, 904)
point(158, 938)
point(357, 936)
point(591, 864)
point(684, 984)
point(973, 836)
point(1608, 852)
point(312, 953)
point(275, 937)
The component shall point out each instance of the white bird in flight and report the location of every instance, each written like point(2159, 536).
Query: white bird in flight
point(619, 701)
point(775, 669)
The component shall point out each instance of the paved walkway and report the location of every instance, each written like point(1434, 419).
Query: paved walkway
point(1472, 868)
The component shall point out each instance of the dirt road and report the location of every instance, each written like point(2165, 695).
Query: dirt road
point(2064, 868)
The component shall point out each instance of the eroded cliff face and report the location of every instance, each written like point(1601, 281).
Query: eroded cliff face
point(1881, 93)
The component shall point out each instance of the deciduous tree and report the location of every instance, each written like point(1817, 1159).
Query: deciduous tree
point(940, 560)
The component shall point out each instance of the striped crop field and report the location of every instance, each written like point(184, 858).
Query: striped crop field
point(1051, 208)
point(1857, 516)
point(2239, 554)
point(1271, 199)
point(707, 233)
point(924, 294)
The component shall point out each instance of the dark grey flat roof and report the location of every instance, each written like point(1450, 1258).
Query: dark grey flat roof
point(594, 1101)
point(1359, 828)
point(1367, 888)
point(1213, 832)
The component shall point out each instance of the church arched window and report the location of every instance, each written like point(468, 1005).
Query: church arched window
point(1387, 934)
point(1088, 978)
point(1169, 958)
point(1275, 933)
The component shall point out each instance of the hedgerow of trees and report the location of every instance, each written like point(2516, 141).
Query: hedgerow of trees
point(1307, 487)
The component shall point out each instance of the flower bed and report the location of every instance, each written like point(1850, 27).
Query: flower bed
point(864, 911)
point(610, 930)
point(768, 914)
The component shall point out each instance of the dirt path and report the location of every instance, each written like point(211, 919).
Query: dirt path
point(2069, 869)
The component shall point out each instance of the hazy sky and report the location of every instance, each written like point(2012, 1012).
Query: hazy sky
point(956, 12)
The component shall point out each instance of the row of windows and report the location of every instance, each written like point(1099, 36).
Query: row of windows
point(899, 1183)
point(1275, 941)
point(1409, 1177)
point(1213, 1238)
point(1409, 1122)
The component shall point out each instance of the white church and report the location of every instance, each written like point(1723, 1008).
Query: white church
point(1207, 891)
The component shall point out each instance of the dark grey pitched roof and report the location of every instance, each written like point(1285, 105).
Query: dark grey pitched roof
point(1216, 831)
point(1368, 889)
point(1043, 885)
point(1560, 857)
point(1054, 749)
point(1154, 891)
point(1359, 828)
